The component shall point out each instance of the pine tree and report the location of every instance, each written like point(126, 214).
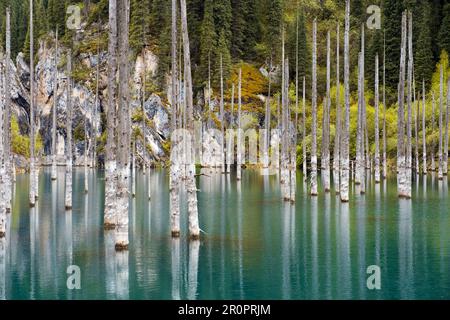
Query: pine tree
point(424, 62)
point(137, 25)
point(392, 16)
point(208, 38)
point(304, 52)
point(274, 13)
point(444, 33)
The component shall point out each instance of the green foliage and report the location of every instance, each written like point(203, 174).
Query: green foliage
point(444, 33)
point(21, 143)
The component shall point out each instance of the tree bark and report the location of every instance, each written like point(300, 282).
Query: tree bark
point(86, 150)
point(2, 162)
point(314, 191)
point(267, 122)
point(441, 98)
point(55, 105)
point(305, 161)
point(96, 107)
point(7, 117)
point(401, 148)
point(433, 143)
point(239, 137)
point(409, 122)
point(377, 133)
point(123, 127)
point(337, 138)
point(384, 110)
point(33, 170)
point(222, 119)
point(424, 130)
point(326, 124)
point(110, 218)
point(194, 229)
point(345, 150)
point(68, 195)
point(445, 155)
point(175, 174)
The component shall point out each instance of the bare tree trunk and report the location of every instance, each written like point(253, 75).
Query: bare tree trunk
point(239, 137)
point(416, 133)
point(409, 122)
point(337, 138)
point(433, 143)
point(110, 218)
point(175, 174)
point(326, 124)
point(384, 110)
point(230, 140)
point(305, 161)
point(377, 133)
point(68, 195)
point(345, 148)
point(222, 119)
point(86, 150)
point(123, 127)
point(441, 102)
point(133, 169)
point(3, 185)
point(96, 107)
point(55, 105)
point(194, 229)
point(364, 152)
point(267, 123)
point(285, 174)
point(445, 155)
point(7, 118)
point(401, 149)
point(360, 158)
point(33, 170)
point(424, 130)
point(314, 191)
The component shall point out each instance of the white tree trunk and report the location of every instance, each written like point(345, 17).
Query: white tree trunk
point(68, 178)
point(55, 105)
point(110, 218)
point(337, 139)
point(33, 175)
point(230, 137)
point(409, 122)
point(433, 144)
point(86, 150)
point(123, 128)
point(3, 185)
point(314, 191)
point(377, 133)
point(384, 110)
point(441, 102)
point(194, 229)
point(326, 124)
point(305, 161)
point(401, 148)
point(222, 120)
point(424, 130)
point(239, 137)
point(445, 155)
point(345, 151)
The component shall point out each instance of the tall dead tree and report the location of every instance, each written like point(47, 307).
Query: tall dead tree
point(123, 127)
point(191, 187)
point(33, 169)
point(222, 119)
point(377, 133)
point(384, 110)
point(314, 191)
point(424, 130)
point(175, 174)
point(285, 155)
point(401, 149)
point(441, 98)
point(267, 121)
point(96, 108)
point(69, 146)
point(86, 149)
point(409, 121)
point(433, 143)
point(337, 138)
point(230, 137)
point(239, 136)
point(416, 133)
point(110, 218)
point(2, 160)
point(445, 153)
point(8, 160)
point(325, 154)
point(345, 139)
point(305, 160)
point(55, 105)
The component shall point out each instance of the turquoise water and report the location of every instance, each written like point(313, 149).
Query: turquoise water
point(254, 246)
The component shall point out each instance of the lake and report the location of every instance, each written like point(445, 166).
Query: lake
point(253, 245)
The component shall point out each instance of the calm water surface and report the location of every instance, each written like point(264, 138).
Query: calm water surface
point(254, 246)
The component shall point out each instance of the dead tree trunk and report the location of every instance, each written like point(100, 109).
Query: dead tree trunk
point(441, 98)
point(409, 121)
point(326, 124)
point(68, 195)
point(33, 170)
point(345, 150)
point(377, 133)
point(55, 105)
point(314, 191)
point(424, 130)
point(222, 119)
point(194, 229)
point(96, 108)
point(230, 136)
point(401, 149)
point(123, 128)
point(305, 162)
point(359, 174)
point(8, 160)
point(175, 168)
point(86, 149)
point(239, 136)
point(2, 162)
point(416, 132)
point(433, 143)
point(267, 122)
point(445, 155)
point(110, 218)
point(384, 110)
point(337, 138)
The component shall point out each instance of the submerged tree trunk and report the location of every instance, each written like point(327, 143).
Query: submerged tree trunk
point(377, 133)
point(8, 160)
point(424, 130)
point(326, 124)
point(175, 167)
point(194, 229)
point(285, 159)
point(222, 119)
point(123, 128)
point(230, 137)
point(55, 105)
point(2, 163)
point(401, 148)
point(68, 195)
point(239, 136)
point(384, 110)
point(441, 98)
point(337, 138)
point(416, 134)
point(409, 121)
point(445, 155)
point(433, 143)
point(345, 148)
point(33, 170)
point(305, 162)
point(267, 123)
point(86, 150)
point(110, 218)
point(360, 157)
point(96, 107)
point(314, 191)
